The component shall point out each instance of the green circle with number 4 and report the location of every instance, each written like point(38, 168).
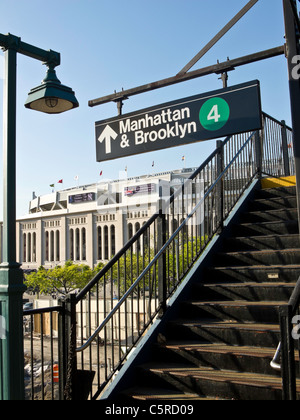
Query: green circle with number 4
point(214, 114)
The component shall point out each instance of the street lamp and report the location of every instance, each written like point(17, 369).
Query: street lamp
point(51, 97)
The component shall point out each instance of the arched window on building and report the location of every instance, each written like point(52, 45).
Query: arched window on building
point(34, 247)
point(24, 247)
point(113, 240)
point(29, 247)
point(130, 231)
point(99, 240)
point(71, 253)
point(52, 246)
point(77, 245)
point(106, 247)
point(83, 243)
point(57, 240)
point(47, 247)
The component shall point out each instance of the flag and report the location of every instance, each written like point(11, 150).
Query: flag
point(153, 164)
point(128, 193)
point(52, 185)
point(60, 181)
point(76, 178)
point(101, 173)
point(126, 169)
point(183, 158)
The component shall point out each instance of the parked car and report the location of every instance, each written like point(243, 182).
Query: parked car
point(28, 306)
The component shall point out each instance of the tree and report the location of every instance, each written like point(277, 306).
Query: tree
point(63, 280)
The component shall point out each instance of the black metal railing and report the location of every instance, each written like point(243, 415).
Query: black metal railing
point(42, 354)
point(278, 153)
point(105, 321)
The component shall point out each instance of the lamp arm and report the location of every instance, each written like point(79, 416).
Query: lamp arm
point(49, 57)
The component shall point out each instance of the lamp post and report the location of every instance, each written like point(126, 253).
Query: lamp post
point(53, 98)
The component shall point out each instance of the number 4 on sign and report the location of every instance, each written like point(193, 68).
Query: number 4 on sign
point(214, 114)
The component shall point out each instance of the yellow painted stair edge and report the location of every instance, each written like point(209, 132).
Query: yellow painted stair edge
point(288, 181)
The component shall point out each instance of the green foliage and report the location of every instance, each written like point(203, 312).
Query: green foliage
point(62, 279)
point(65, 279)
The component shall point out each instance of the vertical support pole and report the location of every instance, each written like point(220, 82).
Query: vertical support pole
point(11, 276)
point(285, 149)
point(162, 262)
point(220, 187)
point(293, 50)
point(63, 352)
point(258, 154)
point(288, 354)
point(70, 348)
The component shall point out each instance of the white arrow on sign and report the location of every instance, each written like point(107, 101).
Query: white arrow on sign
point(108, 134)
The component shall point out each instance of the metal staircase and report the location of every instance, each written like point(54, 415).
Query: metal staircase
point(190, 305)
point(222, 341)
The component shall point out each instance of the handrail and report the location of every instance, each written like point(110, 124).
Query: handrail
point(265, 115)
point(142, 230)
point(275, 361)
point(42, 310)
point(115, 259)
point(295, 298)
point(163, 249)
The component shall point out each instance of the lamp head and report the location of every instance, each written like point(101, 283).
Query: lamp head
point(51, 96)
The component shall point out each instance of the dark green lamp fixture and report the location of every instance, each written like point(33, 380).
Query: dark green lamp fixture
point(51, 96)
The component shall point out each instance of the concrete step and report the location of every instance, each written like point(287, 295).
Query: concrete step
point(253, 258)
point(270, 193)
point(236, 358)
point(257, 273)
point(143, 393)
point(251, 292)
point(226, 332)
point(256, 243)
point(270, 216)
point(273, 203)
point(223, 383)
point(266, 228)
point(238, 311)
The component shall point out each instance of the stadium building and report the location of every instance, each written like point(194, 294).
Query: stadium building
point(91, 223)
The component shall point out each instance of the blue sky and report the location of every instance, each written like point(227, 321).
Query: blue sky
point(108, 45)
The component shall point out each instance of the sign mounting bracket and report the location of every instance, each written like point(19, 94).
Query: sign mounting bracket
point(219, 35)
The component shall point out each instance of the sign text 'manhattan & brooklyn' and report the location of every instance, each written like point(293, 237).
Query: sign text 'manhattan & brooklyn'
point(169, 119)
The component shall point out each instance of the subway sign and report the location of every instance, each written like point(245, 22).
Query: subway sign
point(198, 118)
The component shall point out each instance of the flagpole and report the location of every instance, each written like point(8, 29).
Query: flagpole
point(152, 171)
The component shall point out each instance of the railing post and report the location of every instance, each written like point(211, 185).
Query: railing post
point(285, 149)
point(258, 154)
point(288, 354)
point(162, 262)
point(220, 187)
point(69, 359)
point(62, 349)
